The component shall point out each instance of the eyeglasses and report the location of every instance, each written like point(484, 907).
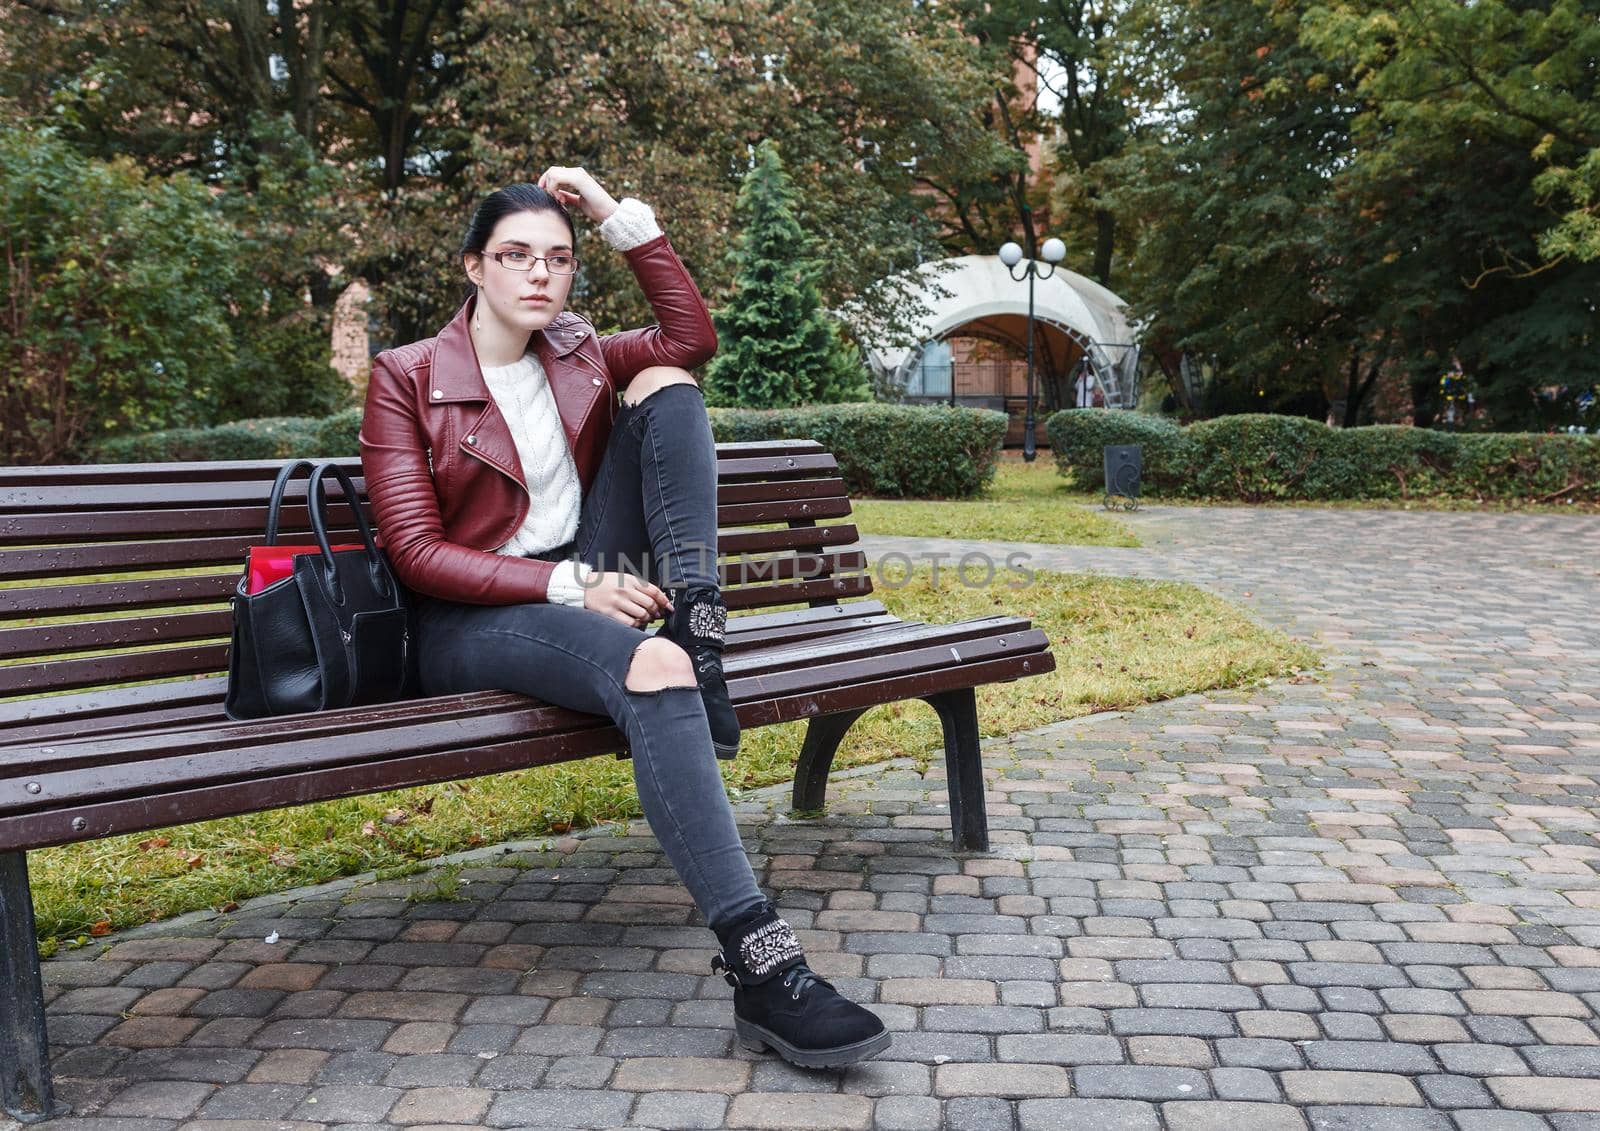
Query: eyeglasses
point(523, 261)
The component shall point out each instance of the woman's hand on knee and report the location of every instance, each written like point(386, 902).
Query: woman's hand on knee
point(625, 597)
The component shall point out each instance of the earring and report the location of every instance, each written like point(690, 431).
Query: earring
point(477, 312)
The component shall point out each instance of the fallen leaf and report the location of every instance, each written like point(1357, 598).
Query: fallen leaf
point(153, 843)
point(395, 817)
point(195, 861)
point(103, 927)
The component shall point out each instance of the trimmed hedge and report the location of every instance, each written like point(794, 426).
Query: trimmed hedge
point(885, 450)
point(1079, 436)
point(1256, 458)
point(271, 437)
point(911, 451)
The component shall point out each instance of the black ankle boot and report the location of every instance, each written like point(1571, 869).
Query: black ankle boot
point(698, 623)
point(781, 1004)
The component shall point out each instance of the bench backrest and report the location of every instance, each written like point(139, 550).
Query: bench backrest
point(119, 573)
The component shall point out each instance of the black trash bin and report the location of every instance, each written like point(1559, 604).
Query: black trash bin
point(1124, 463)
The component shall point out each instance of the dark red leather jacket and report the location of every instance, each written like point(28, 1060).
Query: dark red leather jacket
point(441, 467)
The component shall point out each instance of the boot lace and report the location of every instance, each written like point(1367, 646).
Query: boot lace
point(801, 978)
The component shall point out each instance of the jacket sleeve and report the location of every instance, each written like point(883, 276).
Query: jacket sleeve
point(683, 335)
point(394, 462)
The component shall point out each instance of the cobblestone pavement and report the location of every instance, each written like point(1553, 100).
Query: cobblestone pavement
point(1368, 901)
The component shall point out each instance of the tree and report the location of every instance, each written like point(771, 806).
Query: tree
point(1476, 150)
point(1246, 257)
point(401, 114)
point(1078, 53)
point(115, 297)
point(778, 345)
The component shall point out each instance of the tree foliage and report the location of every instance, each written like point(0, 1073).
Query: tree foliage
point(1341, 190)
point(115, 299)
point(778, 347)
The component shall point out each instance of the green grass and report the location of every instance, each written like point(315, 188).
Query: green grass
point(1025, 503)
point(1118, 643)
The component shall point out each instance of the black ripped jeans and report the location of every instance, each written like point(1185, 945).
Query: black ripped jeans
point(651, 511)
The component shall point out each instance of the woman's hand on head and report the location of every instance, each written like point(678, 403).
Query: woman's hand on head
point(575, 186)
point(626, 598)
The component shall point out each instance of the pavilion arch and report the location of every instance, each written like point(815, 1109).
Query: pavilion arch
point(1074, 318)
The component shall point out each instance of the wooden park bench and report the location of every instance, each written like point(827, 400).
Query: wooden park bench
point(114, 629)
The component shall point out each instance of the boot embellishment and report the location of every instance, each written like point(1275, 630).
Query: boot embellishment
point(708, 622)
point(768, 947)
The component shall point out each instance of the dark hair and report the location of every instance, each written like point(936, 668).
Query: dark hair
point(521, 197)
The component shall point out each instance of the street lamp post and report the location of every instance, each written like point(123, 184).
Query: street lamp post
point(1053, 251)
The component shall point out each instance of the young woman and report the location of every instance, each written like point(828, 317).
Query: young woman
point(542, 526)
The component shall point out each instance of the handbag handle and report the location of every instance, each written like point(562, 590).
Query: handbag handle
point(317, 492)
point(276, 500)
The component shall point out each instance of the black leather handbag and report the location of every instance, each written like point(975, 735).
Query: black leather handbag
point(335, 633)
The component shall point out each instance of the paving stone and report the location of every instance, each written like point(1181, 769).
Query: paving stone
point(1214, 1115)
point(459, 1106)
point(1335, 1088)
point(1245, 1084)
point(347, 1103)
point(672, 1110)
point(1453, 1092)
point(784, 1111)
point(908, 1113)
point(1357, 1118)
point(253, 1101)
point(1139, 1082)
point(1012, 1081)
point(164, 1099)
point(573, 1107)
point(1530, 1093)
point(1103, 1115)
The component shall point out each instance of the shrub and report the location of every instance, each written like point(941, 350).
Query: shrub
point(114, 292)
point(909, 451)
point(1079, 436)
point(340, 434)
point(275, 437)
point(1254, 458)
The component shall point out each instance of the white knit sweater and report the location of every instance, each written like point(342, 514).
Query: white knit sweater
point(522, 393)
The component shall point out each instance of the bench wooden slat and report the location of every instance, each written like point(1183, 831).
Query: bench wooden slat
point(153, 524)
point(87, 636)
point(234, 752)
point(113, 596)
point(204, 471)
point(33, 678)
point(757, 483)
point(901, 645)
point(41, 828)
point(121, 557)
point(122, 709)
point(65, 638)
point(759, 540)
point(89, 671)
point(21, 529)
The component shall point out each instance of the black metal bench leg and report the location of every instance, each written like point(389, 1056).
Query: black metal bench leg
point(823, 735)
point(24, 1049)
point(958, 712)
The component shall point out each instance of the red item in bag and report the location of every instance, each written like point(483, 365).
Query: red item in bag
point(274, 563)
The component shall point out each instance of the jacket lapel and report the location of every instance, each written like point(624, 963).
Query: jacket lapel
point(456, 378)
point(570, 383)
